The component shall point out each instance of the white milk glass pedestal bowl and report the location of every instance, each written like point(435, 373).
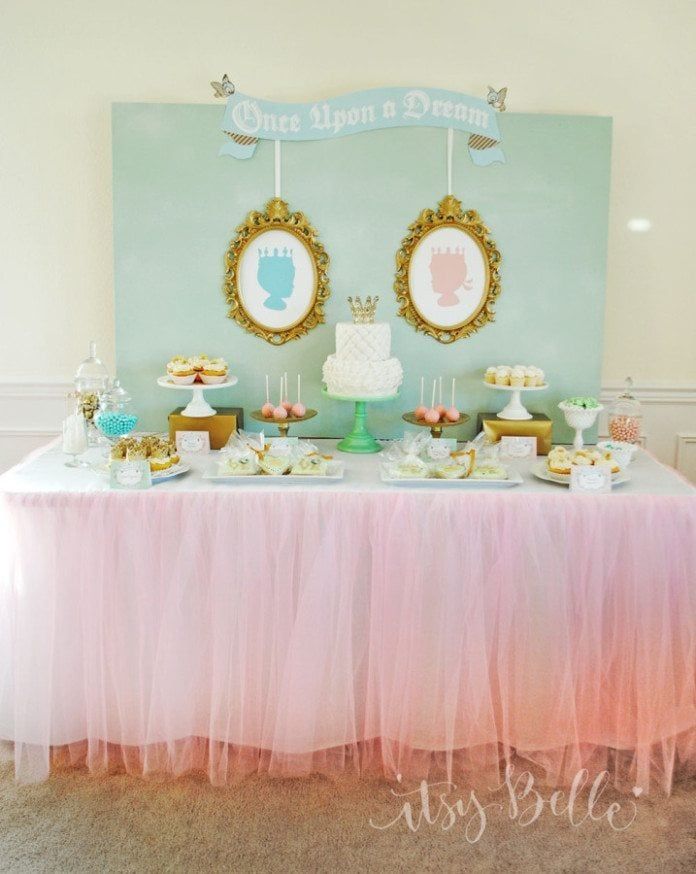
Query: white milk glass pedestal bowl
point(579, 418)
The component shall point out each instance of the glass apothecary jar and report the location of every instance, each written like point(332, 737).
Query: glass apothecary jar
point(115, 417)
point(91, 381)
point(625, 417)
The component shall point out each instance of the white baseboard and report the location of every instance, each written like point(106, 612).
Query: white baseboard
point(33, 412)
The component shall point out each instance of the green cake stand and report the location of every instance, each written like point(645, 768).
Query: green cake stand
point(359, 439)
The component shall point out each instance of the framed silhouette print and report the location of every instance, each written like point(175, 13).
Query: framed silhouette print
point(276, 280)
point(447, 273)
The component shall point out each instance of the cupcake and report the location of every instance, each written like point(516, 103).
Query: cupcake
point(198, 362)
point(540, 377)
point(180, 371)
point(517, 376)
point(529, 377)
point(160, 457)
point(214, 371)
point(502, 375)
point(489, 375)
point(559, 460)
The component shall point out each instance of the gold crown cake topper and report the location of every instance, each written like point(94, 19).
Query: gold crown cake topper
point(363, 313)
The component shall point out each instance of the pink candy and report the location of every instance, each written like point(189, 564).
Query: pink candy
point(624, 428)
point(267, 410)
point(280, 413)
point(420, 412)
point(298, 410)
point(452, 415)
point(432, 416)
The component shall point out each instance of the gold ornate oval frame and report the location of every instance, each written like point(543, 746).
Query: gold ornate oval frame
point(277, 216)
point(449, 213)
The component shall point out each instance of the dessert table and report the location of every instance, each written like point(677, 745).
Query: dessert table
point(356, 625)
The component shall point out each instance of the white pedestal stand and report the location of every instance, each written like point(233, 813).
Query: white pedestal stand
point(198, 407)
point(515, 409)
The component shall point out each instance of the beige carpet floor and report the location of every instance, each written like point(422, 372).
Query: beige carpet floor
point(79, 823)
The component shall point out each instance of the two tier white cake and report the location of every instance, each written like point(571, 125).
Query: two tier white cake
point(362, 366)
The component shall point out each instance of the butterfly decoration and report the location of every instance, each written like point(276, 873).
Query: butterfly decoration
point(224, 88)
point(497, 98)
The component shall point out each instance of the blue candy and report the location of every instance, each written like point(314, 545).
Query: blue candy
point(116, 424)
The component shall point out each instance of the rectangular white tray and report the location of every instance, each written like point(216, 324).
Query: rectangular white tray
point(514, 479)
point(334, 473)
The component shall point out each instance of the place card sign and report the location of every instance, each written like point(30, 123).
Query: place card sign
point(589, 479)
point(130, 475)
point(193, 441)
point(518, 447)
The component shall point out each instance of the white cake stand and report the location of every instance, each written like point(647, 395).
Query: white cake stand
point(198, 407)
point(515, 409)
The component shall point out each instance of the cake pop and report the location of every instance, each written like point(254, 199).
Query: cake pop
point(280, 412)
point(286, 404)
point(267, 408)
point(421, 409)
point(299, 408)
point(441, 408)
point(432, 416)
point(452, 415)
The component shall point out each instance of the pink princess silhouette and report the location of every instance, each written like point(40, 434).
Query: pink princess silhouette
point(448, 272)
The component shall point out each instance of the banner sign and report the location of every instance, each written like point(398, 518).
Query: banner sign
point(247, 120)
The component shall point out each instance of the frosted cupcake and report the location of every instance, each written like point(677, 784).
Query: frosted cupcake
point(517, 377)
point(559, 460)
point(489, 375)
point(214, 371)
point(502, 376)
point(180, 371)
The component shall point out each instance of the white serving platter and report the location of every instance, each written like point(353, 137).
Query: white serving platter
point(513, 479)
point(335, 471)
point(541, 471)
point(159, 476)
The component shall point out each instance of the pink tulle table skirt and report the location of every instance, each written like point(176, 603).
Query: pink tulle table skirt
point(398, 632)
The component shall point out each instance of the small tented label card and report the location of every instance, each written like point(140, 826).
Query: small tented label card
point(518, 447)
point(130, 475)
point(192, 441)
point(590, 479)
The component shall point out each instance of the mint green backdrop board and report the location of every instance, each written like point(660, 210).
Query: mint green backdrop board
point(177, 204)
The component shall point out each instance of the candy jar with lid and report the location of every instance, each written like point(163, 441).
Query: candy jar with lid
point(115, 417)
point(625, 417)
point(91, 381)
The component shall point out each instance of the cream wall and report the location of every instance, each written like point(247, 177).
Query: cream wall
point(62, 64)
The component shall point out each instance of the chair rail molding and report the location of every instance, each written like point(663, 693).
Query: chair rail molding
point(33, 412)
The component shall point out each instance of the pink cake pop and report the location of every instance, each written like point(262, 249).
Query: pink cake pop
point(299, 408)
point(267, 408)
point(452, 415)
point(280, 412)
point(421, 409)
point(432, 416)
point(285, 403)
point(441, 408)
